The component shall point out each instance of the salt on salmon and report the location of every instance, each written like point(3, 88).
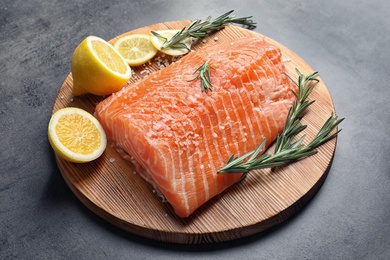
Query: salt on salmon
point(179, 136)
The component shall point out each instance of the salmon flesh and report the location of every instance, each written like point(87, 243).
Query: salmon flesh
point(180, 136)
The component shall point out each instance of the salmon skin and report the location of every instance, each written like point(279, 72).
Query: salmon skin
point(180, 136)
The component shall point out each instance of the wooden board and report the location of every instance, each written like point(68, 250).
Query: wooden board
point(109, 187)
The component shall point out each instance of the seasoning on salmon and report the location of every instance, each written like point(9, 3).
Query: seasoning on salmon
point(179, 136)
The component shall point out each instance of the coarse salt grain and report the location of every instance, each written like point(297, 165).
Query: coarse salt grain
point(112, 160)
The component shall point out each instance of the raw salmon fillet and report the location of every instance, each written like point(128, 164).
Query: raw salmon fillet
point(180, 137)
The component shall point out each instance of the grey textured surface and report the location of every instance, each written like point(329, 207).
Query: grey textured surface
point(348, 42)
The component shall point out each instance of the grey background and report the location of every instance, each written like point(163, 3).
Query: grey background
point(348, 42)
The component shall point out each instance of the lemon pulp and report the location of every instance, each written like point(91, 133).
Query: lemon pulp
point(168, 34)
point(136, 49)
point(75, 135)
point(108, 57)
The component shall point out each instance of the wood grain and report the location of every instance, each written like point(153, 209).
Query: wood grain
point(109, 187)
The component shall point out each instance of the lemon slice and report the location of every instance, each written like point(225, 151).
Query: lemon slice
point(137, 49)
point(168, 34)
point(97, 68)
point(76, 135)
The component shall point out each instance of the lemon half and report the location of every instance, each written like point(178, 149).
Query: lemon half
point(97, 68)
point(136, 49)
point(168, 34)
point(76, 135)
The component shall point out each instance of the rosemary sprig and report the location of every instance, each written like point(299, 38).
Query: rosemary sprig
point(292, 125)
point(204, 76)
point(286, 149)
point(200, 29)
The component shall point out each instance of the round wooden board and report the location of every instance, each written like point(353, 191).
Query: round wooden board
point(110, 188)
